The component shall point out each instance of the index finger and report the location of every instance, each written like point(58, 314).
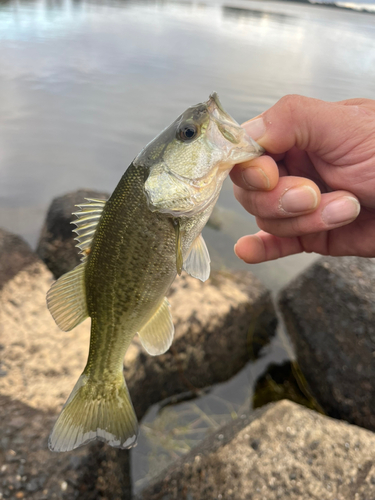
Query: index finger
point(297, 121)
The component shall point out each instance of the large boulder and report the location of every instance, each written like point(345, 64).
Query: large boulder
point(329, 312)
point(281, 451)
point(56, 246)
point(30, 471)
point(40, 365)
point(15, 255)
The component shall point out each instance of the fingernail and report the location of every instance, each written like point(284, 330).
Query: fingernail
point(255, 178)
point(299, 199)
point(341, 210)
point(255, 128)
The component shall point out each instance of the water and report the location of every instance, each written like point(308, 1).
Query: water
point(85, 85)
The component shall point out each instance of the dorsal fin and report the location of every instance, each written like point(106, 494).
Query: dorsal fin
point(87, 220)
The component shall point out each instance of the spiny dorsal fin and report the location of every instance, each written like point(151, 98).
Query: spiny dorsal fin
point(66, 299)
point(197, 262)
point(87, 220)
point(157, 334)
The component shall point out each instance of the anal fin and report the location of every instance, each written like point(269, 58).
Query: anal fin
point(197, 262)
point(157, 334)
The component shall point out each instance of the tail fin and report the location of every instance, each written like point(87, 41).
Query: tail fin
point(96, 410)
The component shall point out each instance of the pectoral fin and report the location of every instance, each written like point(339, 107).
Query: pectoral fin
point(197, 262)
point(157, 334)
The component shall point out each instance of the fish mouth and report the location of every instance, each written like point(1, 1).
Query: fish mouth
point(215, 107)
point(230, 136)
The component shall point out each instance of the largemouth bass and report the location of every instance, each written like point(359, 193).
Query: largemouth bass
point(133, 247)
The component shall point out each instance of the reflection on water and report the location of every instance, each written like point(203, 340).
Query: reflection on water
point(169, 432)
point(85, 85)
point(239, 13)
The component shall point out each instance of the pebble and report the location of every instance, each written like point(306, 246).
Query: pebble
point(32, 485)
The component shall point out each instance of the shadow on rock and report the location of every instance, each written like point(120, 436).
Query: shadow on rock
point(284, 381)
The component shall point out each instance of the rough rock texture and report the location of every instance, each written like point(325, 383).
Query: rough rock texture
point(15, 254)
point(282, 451)
point(38, 360)
point(29, 470)
point(330, 314)
point(38, 367)
point(56, 245)
point(40, 364)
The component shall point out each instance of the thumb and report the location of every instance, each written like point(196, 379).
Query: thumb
point(308, 124)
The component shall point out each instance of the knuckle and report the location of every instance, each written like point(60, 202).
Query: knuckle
point(292, 101)
point(297, 226)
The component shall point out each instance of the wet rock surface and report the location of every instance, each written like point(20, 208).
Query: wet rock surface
point(56, 246)
point(329, 312)
point(281, 451)
point(40, 365)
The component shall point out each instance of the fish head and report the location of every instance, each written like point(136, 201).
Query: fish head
point(188, 162)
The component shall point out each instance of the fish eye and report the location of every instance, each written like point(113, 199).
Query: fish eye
point(187, 131)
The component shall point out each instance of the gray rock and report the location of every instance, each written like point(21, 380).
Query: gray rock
point(102, 472)
point(330, 314)
point(15, 255)
point(56, 246)
point(42, 364)
point(281, 451)
point(39, 365)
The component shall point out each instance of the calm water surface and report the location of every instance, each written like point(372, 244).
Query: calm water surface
point(85, 85)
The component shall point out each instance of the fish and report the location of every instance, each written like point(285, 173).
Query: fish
point(133, 246)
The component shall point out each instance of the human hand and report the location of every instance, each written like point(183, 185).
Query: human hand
point(315, 192)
